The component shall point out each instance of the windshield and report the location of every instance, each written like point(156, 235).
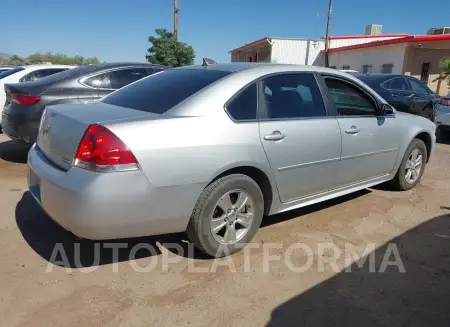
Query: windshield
point(10, 72)
point(162, 91)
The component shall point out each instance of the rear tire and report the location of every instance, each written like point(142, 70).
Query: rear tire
point(246, 206)
point(408, 174)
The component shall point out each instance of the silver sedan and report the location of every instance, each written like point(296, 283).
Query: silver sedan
point(211, 149)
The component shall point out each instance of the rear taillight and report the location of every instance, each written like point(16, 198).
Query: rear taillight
point(445, 102)
point(101, 150)
point(26, 100)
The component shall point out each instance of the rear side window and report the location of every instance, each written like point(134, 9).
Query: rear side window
point(161, 92)
point(398, 83)
point(244, 105)
point(116, 79)
point(291, 96)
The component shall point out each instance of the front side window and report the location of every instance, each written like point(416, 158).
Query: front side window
point(397, 84)
point(417, 86)
point(244, 105)
point(160, 92)
point(348, 99)
point(291, 96)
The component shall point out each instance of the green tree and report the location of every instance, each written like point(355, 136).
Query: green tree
point(60, 59)
point(16, 60)
point(444, 65)
point(91, 61)
point(166, 51)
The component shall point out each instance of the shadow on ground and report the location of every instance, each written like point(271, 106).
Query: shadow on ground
point(418, 297)
point(14, 151)
point(43, 234)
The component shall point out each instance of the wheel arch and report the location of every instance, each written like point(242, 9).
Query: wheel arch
point(427, 139)
point(264, 181)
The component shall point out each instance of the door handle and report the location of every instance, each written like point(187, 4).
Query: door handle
point(352, 130)
point(394, 95)
point(275, 136)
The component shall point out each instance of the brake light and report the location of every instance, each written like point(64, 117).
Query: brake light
point(101, 150)
point(445, 102)
point(26, 100)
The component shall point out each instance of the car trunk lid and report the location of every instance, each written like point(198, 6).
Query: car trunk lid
point(62, 128)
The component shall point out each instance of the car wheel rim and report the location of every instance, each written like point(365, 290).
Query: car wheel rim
point(413, 166)
point(232, 217)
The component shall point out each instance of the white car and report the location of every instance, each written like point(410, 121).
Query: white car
point(443, 115)
point(20, 74)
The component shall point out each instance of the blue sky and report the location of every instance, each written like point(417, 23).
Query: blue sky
point(116, 30)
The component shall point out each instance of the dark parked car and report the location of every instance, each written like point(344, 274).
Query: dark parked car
point(405, 93)
point(25, 102)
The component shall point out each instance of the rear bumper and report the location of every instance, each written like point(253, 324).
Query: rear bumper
point(20, 127)
point(109, 205)
point(443, 117)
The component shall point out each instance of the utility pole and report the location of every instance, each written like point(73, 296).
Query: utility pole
point(327, 41)
point(175, 20)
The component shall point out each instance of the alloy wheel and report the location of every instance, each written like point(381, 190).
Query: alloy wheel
point(413, 166)
point(232, 217)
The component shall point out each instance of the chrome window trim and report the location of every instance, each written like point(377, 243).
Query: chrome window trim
point(382, 86)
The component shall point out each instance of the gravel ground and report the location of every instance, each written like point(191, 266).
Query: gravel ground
point(39, 289)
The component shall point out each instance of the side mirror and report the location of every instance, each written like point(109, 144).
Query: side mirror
point(387, 109)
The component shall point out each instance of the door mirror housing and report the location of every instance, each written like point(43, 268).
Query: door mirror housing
point(386, 109)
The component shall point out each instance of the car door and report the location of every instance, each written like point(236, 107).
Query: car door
point(370, 143)
point(302, 143)
point(422, 100)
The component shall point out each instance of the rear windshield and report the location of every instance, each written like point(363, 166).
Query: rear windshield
point(10, 72)
point(161, 92)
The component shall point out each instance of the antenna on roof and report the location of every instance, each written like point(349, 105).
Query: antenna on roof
point(208, 62)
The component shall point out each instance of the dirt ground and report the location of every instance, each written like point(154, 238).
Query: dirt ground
point(36, 289)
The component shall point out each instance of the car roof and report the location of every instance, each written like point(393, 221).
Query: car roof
point(107, 65)
point(45, 66)
point(377, 77)
point(268, 68)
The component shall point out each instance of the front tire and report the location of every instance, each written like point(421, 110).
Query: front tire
point(412, 167)
point(226, 216)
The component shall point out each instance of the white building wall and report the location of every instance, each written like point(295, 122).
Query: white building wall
point(289, 51)
point(376, 56)
point(337, 43)
point(295, 51)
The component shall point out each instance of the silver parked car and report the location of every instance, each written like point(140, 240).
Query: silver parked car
point(211, 149)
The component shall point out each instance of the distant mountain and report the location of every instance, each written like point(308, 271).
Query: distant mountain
point(5, 55)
